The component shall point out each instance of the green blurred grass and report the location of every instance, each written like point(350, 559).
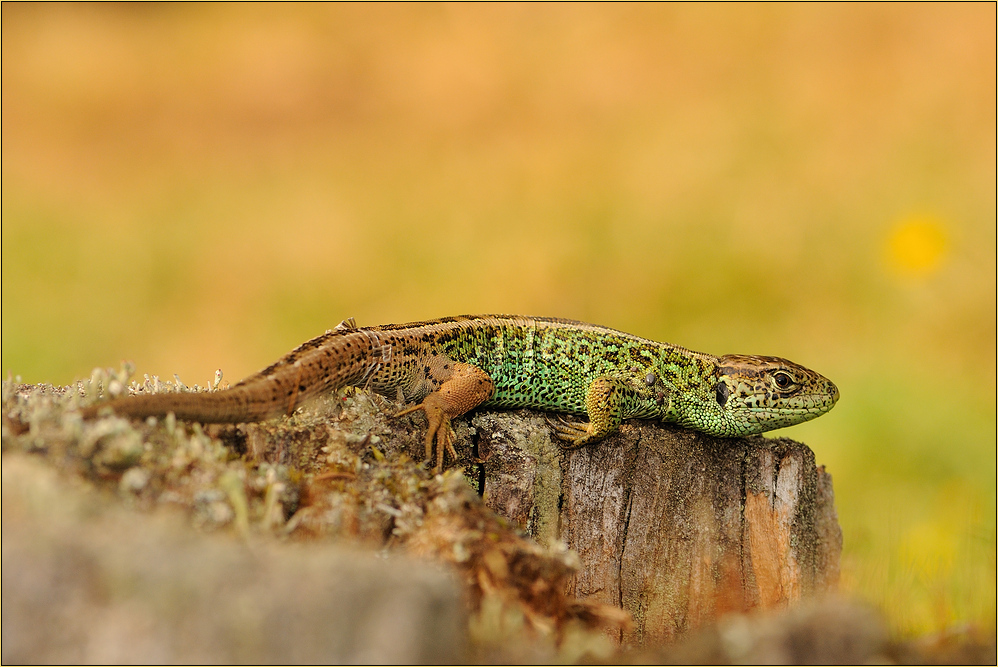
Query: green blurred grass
point(194, 187)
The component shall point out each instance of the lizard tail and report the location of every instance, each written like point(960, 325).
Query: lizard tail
point(230, 406)
point(338, 358)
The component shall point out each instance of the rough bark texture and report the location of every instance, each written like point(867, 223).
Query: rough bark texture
point(675, 527)
point(671, 526)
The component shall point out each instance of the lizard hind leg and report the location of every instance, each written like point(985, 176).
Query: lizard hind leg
point(467, 387)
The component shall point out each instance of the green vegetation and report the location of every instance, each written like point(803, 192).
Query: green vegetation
point(195, 187)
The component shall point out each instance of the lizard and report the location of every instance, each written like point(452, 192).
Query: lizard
point(449, 366)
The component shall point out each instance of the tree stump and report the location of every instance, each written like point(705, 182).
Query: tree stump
point(674, 526)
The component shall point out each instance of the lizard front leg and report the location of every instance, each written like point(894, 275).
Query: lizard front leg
point(466, 388)
point(604, 405)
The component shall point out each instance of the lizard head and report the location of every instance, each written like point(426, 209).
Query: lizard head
point(756, 394)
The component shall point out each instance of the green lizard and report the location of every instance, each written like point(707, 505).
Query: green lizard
point(452, 365)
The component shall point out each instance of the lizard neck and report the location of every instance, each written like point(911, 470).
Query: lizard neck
point(687, 379)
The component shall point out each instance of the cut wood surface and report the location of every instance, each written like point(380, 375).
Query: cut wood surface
point(674, 526)
point(671, 526)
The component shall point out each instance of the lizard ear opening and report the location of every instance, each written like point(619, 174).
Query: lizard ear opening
point(721, 392)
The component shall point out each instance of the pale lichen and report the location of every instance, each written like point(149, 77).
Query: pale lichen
point(340, 468)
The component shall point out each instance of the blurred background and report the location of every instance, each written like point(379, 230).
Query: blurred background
point(194, 187)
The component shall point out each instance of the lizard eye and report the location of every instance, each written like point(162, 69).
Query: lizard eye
point(783, 380)
point(650, 379)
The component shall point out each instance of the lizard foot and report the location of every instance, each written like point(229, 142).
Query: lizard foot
point(467, 387)
point(445, 440)
point(572, 435)
point(438, 429)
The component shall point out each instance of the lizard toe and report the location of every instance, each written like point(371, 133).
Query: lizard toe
point(408, 410)
point(571, 435)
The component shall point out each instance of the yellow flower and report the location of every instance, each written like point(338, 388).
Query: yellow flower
point(917, 246)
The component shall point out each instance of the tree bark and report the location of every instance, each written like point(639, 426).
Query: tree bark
point(674, 526)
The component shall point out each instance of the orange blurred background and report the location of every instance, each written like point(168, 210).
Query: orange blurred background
point(195, 186)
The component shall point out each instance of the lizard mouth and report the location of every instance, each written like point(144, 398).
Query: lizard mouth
point(821, 401)
point(779, 417)
point(776, 413)
point(816, 406)
point(805, 404)
point(799, 409)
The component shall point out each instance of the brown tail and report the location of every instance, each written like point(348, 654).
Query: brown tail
point(335, 359)
point(231, 406)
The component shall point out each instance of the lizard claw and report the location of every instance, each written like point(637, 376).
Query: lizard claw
point(572, 435)
point(411, 408)
point(445, 440)
point(438, 430)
